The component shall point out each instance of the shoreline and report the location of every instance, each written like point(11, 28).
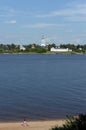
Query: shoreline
point(32, 125)
point(33, 120)
point(49, 53)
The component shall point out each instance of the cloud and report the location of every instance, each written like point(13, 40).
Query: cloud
point(72, 12)
point(11, 22)
point(42, 25)
point(6, 12)
point(69, 31)
point(76, 18)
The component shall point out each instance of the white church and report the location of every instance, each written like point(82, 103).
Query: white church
point(43, 42)
point(22, 48)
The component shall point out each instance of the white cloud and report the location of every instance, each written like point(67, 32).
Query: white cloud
point(69, 31)
point(11, 22)
point(6, 12)
point(42, 25)
point(72, 12)
point(76, 18)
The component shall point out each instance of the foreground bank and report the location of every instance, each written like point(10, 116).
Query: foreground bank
point(31, 125)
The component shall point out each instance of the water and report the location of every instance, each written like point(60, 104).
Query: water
point(42, 86)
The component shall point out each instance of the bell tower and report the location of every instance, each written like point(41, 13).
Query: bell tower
point(43, 42)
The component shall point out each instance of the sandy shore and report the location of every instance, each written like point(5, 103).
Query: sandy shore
point(32, 125)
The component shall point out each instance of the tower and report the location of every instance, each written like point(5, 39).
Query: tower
point(43, 42)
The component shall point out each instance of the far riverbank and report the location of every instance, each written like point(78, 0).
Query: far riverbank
point(47, 53)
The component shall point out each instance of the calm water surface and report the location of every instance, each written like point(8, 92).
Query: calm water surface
point(42, 86)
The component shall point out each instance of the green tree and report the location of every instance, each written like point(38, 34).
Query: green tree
point(50, 46)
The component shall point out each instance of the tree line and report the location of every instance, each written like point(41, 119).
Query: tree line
point(34, 48)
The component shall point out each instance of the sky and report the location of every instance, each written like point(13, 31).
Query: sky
point(59, 21)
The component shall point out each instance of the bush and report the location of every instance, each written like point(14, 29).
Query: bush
point(74, 123)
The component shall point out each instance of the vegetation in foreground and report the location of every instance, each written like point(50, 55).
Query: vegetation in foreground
point(74, 123)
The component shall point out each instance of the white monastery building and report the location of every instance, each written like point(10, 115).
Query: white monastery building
point(22, 48)
point(60, 50)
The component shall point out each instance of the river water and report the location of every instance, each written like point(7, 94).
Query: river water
point(39, 87)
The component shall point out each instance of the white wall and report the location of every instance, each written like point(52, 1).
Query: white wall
point(59, 49)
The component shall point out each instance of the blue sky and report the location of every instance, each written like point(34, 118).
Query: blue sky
point(60, 21)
